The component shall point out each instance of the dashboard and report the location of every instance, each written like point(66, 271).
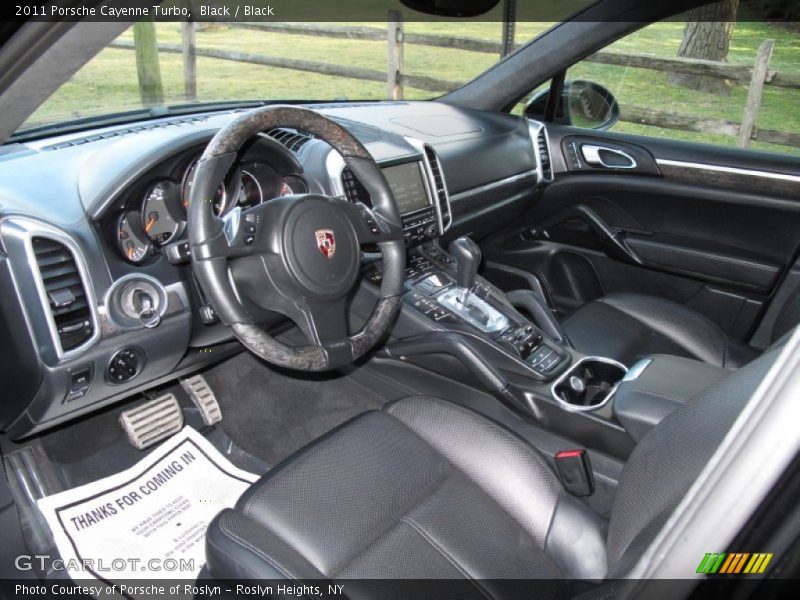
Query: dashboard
point(101, 301)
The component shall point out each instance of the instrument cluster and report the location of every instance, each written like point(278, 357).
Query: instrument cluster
point(158, 216)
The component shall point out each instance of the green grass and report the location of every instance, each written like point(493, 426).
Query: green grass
point(109, 81)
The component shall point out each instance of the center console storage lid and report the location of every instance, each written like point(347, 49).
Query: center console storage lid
point(657, 385)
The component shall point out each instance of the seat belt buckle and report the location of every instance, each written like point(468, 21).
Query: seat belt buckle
point(575, 472)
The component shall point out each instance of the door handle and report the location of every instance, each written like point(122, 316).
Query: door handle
point(609, 158)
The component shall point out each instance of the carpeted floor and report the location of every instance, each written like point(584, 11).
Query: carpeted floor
point(270, 413)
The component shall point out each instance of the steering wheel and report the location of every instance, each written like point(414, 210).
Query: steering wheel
point(296, 255)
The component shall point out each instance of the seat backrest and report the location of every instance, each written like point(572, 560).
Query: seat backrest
point(668, 460)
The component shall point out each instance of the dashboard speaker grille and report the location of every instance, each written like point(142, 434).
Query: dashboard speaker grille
point(438, 178)
point(544, 155)
point(64, 292)
point(353, 188)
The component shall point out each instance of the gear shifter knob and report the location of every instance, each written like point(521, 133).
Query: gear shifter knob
point(467, 255)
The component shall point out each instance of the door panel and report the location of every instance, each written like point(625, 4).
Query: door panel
point(717, 235)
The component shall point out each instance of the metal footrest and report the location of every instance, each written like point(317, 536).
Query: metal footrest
point(203, 397)
point(152, 421)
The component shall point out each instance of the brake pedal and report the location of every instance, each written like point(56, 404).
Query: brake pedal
point(203, 397)
point(152, 421)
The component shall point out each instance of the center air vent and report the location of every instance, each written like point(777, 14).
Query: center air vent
point(354, 189)
point(64, 292)
point(293, 140)
point(544, 155)
point(441, 187)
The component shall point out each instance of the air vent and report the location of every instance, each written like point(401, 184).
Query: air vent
point(290, 138)
point(64, 292)
point(441, 188)
point(353, 188)
point(544, 155)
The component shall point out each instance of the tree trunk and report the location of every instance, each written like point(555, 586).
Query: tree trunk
point(707, 35)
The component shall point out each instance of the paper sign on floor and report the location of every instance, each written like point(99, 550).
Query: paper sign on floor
point(148, 521)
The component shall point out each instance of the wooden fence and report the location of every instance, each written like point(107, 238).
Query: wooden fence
point(755, 76)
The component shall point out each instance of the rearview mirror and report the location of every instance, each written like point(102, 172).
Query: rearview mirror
point(582, 104)
point(451, 8)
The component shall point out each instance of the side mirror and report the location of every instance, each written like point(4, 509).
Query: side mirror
point(582, 104)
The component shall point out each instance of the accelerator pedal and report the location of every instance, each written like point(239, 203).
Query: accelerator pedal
point(203, 397)
point(152, 421)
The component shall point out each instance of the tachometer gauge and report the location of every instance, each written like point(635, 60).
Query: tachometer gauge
point(292, 184)
point(159, 213)
point(131, 239)
point(220, 198)
point(286, 189)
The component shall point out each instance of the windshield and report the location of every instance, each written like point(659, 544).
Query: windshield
point(168, 64)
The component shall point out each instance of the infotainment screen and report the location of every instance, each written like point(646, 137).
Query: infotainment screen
point(407, 186)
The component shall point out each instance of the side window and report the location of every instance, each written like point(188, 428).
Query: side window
point(725, 83)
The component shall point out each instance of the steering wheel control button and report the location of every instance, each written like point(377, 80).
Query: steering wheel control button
point(178, 253)
point(124, 365)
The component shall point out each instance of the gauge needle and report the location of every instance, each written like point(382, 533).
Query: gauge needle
point(150, 224)
point(130, 252)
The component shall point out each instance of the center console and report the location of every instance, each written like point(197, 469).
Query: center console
point(456, 323)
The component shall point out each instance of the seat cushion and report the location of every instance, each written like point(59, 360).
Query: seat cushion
point(422, 489)
point(626, 327)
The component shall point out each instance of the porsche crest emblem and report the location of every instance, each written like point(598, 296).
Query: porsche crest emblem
point(326, 242)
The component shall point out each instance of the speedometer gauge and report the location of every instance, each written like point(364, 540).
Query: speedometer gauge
point(131, 239)
point(158, 213)
point(250, 192)
point(220, 198)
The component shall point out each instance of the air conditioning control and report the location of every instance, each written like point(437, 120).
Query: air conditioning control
point(125, 365)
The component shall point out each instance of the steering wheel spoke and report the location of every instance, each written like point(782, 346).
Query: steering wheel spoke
point(324, 322)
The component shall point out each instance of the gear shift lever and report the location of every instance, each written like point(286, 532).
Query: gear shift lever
point(467, 255)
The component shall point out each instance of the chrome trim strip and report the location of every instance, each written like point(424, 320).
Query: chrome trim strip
point(637, 369)
point(723, 169)
point(495, 184)
point(431, 183)
point(575, 408)
point(334, 166)
point(26, 229)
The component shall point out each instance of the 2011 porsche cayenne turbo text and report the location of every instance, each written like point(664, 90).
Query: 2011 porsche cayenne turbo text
point(66, 12)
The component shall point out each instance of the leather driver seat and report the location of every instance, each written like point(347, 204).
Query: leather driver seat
point(428, 489)
point(626, 327)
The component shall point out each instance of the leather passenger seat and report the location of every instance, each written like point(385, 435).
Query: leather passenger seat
point(428, 489)
point(626, 327)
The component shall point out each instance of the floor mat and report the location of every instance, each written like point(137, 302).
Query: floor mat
point(271, 413)
point(157, 510)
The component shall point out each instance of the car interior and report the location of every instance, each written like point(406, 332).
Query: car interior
point(451, 341)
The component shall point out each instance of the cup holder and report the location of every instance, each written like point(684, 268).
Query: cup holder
point(589, 384)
